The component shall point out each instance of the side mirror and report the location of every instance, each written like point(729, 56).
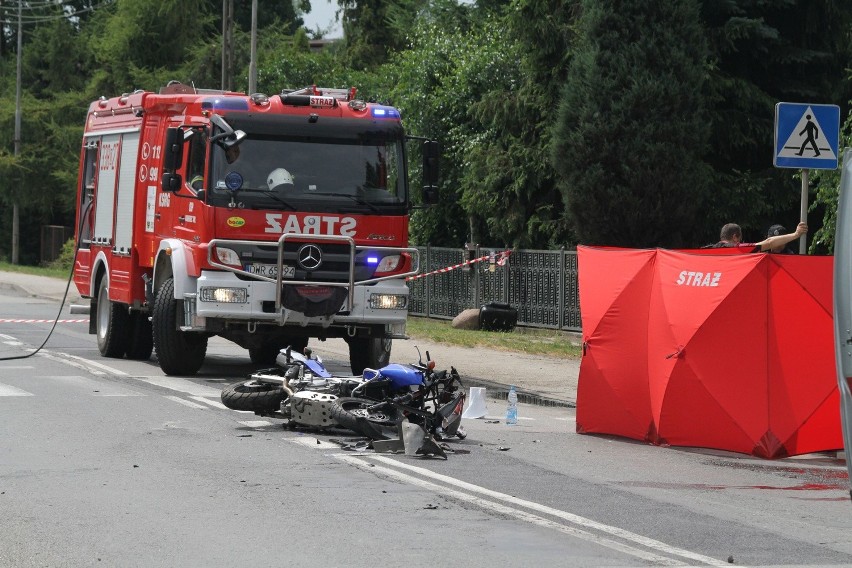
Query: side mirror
point(429, 195)
point(431, 155)
point(171, 182)
point(234, 139)
point(173, 150)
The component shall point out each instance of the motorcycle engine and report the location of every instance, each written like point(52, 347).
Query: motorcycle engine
point(311, 408)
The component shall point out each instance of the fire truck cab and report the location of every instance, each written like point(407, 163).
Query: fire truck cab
point(266, 220)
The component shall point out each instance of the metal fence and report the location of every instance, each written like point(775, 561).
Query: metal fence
point(541, 284)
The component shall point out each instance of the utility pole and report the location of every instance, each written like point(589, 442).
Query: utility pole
point(253, 60)
point(227, 43)
point(2, 36)
point(15, 220)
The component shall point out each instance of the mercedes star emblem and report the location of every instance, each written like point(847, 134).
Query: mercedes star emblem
point(310, 257)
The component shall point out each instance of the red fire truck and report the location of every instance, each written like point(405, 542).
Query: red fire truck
point(266, 220)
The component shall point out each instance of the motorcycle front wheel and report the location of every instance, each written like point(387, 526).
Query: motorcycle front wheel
point(355, 414)
point(253, 396)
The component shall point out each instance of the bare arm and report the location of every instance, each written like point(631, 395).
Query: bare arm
point(781, 240)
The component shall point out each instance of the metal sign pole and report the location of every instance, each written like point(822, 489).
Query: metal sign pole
point(803, 217)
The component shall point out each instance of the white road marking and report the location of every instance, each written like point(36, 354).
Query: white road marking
point(213, 403)
point(181, 385)
point(93, 386)
point(83, 363)
point(185, 402)
point(4, 336)
point(314, 443)
point(512, 512)
point(43, 321)
point(256, 423)
point(570, 517)
point(9, 390)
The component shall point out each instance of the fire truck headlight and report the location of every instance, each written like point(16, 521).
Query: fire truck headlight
point(227, 256)
point(388, 302)
point(224, 295)
point(388, 264)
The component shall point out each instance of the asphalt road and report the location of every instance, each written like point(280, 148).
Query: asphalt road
point(107, 462)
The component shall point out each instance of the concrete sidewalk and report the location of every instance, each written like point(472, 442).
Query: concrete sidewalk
point(539, 380)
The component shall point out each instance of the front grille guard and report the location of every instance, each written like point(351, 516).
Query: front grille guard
point(279, 280)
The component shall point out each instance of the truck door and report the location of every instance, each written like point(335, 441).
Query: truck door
point(86, 214)
point(843, 304)
point(110, 147)
point(87, 195)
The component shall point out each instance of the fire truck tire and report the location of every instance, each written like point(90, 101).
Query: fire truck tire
point(298, 344)
point(253, 396)
point(113, 324)
point(141, 337)
point(179, 352)
point(372, 352)
point(264, 354)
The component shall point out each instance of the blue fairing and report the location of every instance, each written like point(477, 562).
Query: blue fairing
point(317, 368)
point(401, 375)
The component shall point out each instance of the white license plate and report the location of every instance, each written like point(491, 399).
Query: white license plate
point(269, 271)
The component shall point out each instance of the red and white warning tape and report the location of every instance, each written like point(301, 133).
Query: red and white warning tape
point(500, 259)
point(42, 321)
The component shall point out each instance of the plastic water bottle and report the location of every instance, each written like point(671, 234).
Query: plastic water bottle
point(512, 406)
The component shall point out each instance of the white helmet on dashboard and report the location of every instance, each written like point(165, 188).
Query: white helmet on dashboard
point(278, 176)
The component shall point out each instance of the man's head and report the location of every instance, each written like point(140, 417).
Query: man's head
point(776, 230)
point(731, 233)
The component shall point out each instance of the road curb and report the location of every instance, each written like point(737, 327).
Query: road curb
point(499, 391)
point(72, 296)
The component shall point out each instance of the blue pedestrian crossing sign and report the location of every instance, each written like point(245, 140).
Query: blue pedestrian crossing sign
point(806, 136)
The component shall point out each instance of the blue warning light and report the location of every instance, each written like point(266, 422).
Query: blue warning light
point(385, 112)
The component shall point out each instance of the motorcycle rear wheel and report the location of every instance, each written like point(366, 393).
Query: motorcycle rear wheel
point(253, 396)
point(354, 414)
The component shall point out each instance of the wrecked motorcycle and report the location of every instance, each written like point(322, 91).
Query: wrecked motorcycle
point(301, 390)
point(430, 400)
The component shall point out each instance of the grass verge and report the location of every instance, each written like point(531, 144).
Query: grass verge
point(62, 273)
point(533, 341)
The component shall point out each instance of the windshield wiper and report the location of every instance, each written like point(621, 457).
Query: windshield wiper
point(274, 196)
point(354, 198)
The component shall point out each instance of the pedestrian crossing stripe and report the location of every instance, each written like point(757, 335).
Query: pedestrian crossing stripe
point(806, 136)
point(9, 390)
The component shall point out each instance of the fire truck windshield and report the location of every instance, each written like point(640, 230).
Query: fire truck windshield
point(310, 174)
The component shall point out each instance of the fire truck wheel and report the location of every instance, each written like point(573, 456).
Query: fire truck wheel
point(113, 324)
point(179, 352)
point(264, 354)
point(298, 344)
point(253, 396)
point(141, 337)
point(372, 352)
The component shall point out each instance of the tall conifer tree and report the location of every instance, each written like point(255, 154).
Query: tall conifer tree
point(632, 130)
